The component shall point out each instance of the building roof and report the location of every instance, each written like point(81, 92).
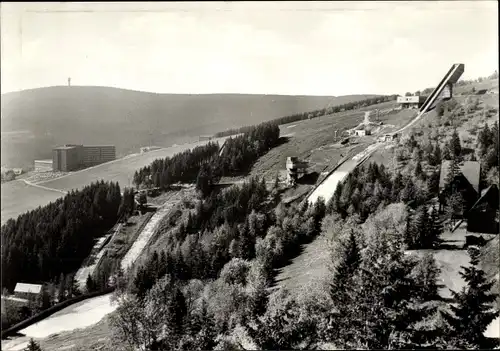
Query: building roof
point(490, 194)
point(28, 288)
point(64, 147)
point(470, 170)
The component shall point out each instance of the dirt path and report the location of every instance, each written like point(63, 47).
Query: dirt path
point(43, 187)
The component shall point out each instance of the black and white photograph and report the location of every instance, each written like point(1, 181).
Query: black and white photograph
point(250, 175)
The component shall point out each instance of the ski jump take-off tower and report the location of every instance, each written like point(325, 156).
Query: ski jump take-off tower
point(444, 91)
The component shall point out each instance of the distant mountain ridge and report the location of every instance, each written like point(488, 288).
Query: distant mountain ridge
point(35, 120)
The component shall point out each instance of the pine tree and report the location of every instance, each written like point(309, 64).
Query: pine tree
point(61, 290)
point(421, 228)
point(281, 327)
point(437, 156)
point(435, 228)
point(455, 146)
point(72, 286)
point(425, 275)
point(344, 268)
point(484, 140)
point(473, 313)
point(345, 260)
point(409, 236)
point(177, 313)
point(382, 313)
point(202, 327)
point(453, 171)
point(90, 284)
point(246, 243)
point(454, 207)
point(418, 173)
point(408, 193)
point(33, 346)
point(43, 299)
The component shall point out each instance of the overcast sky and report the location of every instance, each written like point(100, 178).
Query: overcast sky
point(310, 48)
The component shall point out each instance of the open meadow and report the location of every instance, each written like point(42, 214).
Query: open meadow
point(121, 170)
point(18, 197)
point(314, 140)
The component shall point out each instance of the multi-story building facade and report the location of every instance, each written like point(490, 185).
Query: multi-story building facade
point(73, 157)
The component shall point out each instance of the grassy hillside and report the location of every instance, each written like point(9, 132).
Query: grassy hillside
point(33, 121)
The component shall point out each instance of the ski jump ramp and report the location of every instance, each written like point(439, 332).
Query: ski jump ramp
point(445, 88)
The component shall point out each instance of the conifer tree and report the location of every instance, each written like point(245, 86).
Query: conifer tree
point(61, 290)
point(425, 275)
point(246, 243)
point(90, 284)
point(177, 312)
point(422, 227)
point(202, 327)
point(344, 267)
point(453, 171)
point(33, 346)
point(281, 326)
point(435, 228)
point(454, 207)
point(455, 146)
point(382, 312)
point(484, 140)
point(474, 311)
point(418, 173)
point(345, 260)
point(437, 156)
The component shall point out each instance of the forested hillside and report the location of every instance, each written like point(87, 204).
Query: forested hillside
point(33, 121)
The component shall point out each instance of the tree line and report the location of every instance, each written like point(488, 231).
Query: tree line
point(203, 165)
point(313, 114)
point(42, 244)
point(378, 298)
point(238, 222)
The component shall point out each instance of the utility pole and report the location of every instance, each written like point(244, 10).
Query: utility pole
point(69, 81)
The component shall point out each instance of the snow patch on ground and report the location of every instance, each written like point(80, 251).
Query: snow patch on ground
point(144, 236)
point(82, 315)
point(17, 347)
point(327, 188)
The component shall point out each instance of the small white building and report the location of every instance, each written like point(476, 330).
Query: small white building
point(413, 101)
point(149, 148)
point(26, 290)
